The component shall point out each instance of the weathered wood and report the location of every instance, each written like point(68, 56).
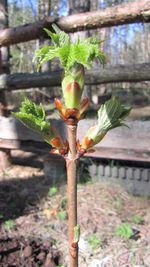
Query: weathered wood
point(137, 11)
point(5, 158)
point(4, 54)
point(121, 143)
point(120, 154)
point(108, 74)
point(100, 152)
point(14, 130)
point(140, 113)
point(26, 145)
point(136, 137)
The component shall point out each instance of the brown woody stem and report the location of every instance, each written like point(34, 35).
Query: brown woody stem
point(71, 163)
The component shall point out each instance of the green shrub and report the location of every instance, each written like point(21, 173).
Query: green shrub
point(124, 230)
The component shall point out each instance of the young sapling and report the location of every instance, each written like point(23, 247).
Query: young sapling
point(74, 58)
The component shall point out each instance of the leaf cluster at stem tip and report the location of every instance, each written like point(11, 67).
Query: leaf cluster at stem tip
point(80, 52)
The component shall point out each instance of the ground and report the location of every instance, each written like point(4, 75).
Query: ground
point(33, 218)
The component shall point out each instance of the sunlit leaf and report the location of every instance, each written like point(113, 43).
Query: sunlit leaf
point(33, 116)
point(110, 115)
point(69, 53)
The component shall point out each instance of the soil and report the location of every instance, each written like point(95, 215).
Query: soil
point(20, 252)
point(33, 231)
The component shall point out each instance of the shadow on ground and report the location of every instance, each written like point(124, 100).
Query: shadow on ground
point(18, 196)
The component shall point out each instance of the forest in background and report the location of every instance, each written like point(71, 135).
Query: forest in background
point(126, 44)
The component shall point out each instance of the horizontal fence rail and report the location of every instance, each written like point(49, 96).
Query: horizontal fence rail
point(137, 11)
point(122, 143)
point(109, 74)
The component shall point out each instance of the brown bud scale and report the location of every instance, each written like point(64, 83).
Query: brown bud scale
point(56, 142)
point(72, 86)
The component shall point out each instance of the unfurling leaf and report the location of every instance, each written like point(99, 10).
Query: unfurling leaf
point(82, 52)
point(60, 38)
point(73, 56)
point(33, 117)
point(110, 115)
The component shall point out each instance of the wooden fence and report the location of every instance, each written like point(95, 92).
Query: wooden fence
point(137, 11)
point(122, 143)
point(108, 74)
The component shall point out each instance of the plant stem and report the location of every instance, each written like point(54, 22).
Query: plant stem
point(71, 163)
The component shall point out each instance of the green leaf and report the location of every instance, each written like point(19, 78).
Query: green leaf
point(82, 51)
point(33, 117)
point(45, 54)
point(110, 115)
point(30, 107)
point(63, 55)
point(60, 38)
point(53, 36)
point(64, 38)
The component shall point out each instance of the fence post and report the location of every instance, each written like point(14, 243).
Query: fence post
point(5, 158)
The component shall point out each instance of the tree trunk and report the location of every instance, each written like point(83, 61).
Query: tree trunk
point(137, 11)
